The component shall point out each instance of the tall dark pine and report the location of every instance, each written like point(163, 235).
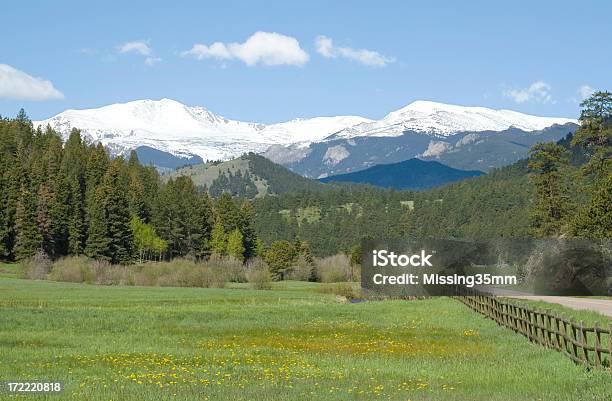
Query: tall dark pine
point(552, 203)
point(183, 217)
point(43, 218)
point(248, 231)
point(28, 239)
point(77, 227)
point(116, 202)
point(97, 245)
point(227, 213)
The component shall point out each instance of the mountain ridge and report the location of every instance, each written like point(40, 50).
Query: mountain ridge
point(472, 138)
point(414, 174)
point(185, 131)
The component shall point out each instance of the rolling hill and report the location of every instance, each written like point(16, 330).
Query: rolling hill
point(247, 176)
point(409, 174)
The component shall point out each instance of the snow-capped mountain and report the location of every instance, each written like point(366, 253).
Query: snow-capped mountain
point(463, 137)
point(443, 120)
point(473, 138)
point(181, 130)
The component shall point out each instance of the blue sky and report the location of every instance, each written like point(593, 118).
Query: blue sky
point(328, 57)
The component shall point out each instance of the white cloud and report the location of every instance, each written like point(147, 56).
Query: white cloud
point(585, 91)
point(138, 47)
point(538, 92)
point(152, 60)
point(16, 84)
point(267, 48)
point(371, 58)
point(141, 48)
point(325, 46)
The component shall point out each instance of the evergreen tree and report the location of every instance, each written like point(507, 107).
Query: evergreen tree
point(60, 212)
point(595, 134)
point(545, 162)
point(248, 230)
point(280, 257)
point(183, 217)
point(97, 245)
point(4, 221)
point(595, 220)
point(28, 239)
point(227, 213)
point(43, 219)
point(116, 201)
point(260, 248)
point(218, 240)
point(235, 245)
point(77, 226)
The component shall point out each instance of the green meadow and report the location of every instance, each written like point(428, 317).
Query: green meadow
point(294, 342)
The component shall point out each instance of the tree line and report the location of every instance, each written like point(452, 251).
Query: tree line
point(561, 189)
point(576, 201)
point(72, 198)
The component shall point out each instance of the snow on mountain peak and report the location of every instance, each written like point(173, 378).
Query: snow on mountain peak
point(445, 119)
point(171, 126)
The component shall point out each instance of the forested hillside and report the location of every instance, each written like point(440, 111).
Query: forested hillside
point(73, 199)
point(413, 174)
point(562, 189)
point(498, 204)
point(248, 176)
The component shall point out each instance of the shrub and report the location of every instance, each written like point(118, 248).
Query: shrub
point(74, 269)
point(333, 269)
point(258, 275)
point(229, 269)
point(345, 290)
point(37, 267)
point(106, 274)
point(301, 271)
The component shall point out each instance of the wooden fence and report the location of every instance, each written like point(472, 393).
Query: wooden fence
point(590, 346)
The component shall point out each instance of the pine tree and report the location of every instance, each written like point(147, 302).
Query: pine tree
point(28, 239)
point(595, 220)
point(595, 134)
point(235, 245)
point(118, 217)
point(546, 162)
point(43, 218)
point(248, 230)
point(218, 240)
point(77, 227)
point(183, 217)
point(227, 213)
point(97, 245)
point(280, 257)
point(4, 222)
point(260, 248)
point(59, 210)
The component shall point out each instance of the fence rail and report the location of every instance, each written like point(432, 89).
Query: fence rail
point(590, 346)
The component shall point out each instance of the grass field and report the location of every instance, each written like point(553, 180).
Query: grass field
point(291, 343)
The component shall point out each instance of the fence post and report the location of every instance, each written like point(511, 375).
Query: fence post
point(547, 339)
point(597, 342)
point(610, 347)
point(557, 330)
point(573, 337)
point(585, 351)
